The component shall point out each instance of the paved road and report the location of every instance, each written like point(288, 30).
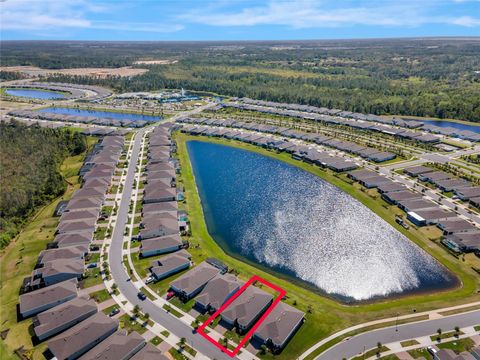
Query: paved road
point(157, 314)
point(369, 340)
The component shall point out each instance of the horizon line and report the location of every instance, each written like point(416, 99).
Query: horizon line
point(441, 37)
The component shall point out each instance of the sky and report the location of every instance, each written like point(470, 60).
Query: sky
point(235, 19)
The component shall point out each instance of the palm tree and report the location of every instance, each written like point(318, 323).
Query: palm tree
point(136, 310)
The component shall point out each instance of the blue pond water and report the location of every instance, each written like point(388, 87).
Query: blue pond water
point(294, 223)
point(452, 124)
point(105, 114)
point(35, 94)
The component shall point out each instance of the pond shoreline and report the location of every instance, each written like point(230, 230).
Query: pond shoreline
point(290, 275)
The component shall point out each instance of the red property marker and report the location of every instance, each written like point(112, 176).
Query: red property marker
point(232, 353)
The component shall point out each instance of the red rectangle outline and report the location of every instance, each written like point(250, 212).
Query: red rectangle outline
point(249, 334)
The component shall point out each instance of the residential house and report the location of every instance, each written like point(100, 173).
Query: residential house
point(82, 238)
point(169, 265)
point(217, 292)
point(429, 217)
point(84, 336)
point(149, 352)
point(156, 227)
point(43, 299)
point(77, 252)
point(279, 326)
point(63, 316)
point(56, 271)
point(160, 245)
point(191, 283)
point(246, 308)
point(119, 346)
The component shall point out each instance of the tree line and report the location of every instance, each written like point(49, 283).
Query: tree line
point(30, 159)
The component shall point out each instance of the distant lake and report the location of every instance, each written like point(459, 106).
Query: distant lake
point(290, 221)
point(100, 114)
point(35, 94)
point(453, 124)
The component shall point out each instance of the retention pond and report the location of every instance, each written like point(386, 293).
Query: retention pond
point(289, 221)
point(35, 94)
point(100, 114)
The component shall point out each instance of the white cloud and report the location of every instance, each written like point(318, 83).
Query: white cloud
point(58, 15)
point(466, 21)
point(312, 14)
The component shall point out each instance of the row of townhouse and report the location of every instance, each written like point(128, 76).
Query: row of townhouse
point(212, 287)
point(65, 257)
point(400, 132)
point(299, 152)
point(71, 324)
point(207, 281)
point(458, 234)
point(103, 121)
point(359, 120)
point(161, 221)
point(369, 153)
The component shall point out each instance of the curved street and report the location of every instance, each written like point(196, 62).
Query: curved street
point(365, 341)
point(121, 278)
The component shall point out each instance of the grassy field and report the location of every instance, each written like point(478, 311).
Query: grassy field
point(324, 316)
point(18, 260)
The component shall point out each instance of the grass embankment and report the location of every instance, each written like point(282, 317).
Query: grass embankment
point(324, 316)
point(18, 260)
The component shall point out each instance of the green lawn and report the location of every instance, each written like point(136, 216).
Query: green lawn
point(418, 353)
point(156, 340)
point(92, 277)
point(327, 315)
point(129, 324)
point(408, 343)
point(186, 307)
point(93, 258)
point(371, 353)
point(101, 296)
point(109, 309)
point(18, 259)
point(389, 357)
point(176, 354)
point(458, 345)
point(172, 311)
point(445, 335)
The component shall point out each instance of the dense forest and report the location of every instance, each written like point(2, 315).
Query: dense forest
point(30, 159)
point(419, 77)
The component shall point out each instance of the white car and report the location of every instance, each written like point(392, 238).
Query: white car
point(149, 280)
point(432, 351)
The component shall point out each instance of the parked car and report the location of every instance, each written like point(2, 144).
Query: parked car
point(170, 294)
point(432, 350)
point(149, 280)
point(91, 265)
point(94, 248)
point(141, 296)
point(114, 312)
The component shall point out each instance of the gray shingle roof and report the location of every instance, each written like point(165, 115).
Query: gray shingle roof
point(119, 346)
point(83, 336)
point(247, 306)
point(195, 278)
point(280, 324)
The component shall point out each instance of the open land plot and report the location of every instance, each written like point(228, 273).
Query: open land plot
point(95, 72)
